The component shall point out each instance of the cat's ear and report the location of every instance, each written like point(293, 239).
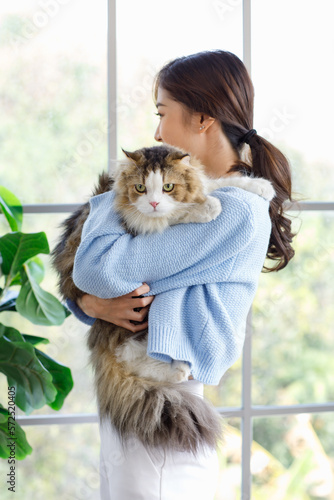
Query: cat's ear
point(181, 157)
point(185, 160)
point(135, 156)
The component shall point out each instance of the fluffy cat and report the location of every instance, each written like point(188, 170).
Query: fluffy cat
point(155, 187)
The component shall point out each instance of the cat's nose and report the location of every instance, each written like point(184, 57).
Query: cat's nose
point(154, 203)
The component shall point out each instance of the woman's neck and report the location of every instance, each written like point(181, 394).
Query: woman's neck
point(217, 155)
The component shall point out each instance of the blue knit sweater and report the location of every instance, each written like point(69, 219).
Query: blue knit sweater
point(204, 277)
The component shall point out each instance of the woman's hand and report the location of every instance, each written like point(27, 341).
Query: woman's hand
point(120, 310)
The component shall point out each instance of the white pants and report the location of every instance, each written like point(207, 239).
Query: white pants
point(140, 473)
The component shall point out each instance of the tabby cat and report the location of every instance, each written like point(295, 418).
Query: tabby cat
point(154, 187)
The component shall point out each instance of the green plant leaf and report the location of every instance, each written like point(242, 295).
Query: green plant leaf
point(34, 339)
point(18, 361)
point(11, 333)
point(11, 208)
point(16, 280)
point(61, 378)
point(37, 305)
point(36, 268)
point(17, 248)
point(15, 336)
point(22, 447)
point(9, 303)
point(67, 312)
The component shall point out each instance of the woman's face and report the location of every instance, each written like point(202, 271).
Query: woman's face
point(177, 126)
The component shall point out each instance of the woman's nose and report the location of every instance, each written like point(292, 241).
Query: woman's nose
point(157, 136)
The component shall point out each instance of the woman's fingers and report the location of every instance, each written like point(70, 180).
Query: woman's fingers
point(138, 315)
point(144, 288)
point(134, 328)
point(121, 311)
point(141, 302)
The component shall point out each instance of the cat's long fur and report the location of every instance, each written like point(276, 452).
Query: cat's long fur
point(139, 395)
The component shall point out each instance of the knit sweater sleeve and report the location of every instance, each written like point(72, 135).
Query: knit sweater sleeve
point(78, 313)
point(111, 262)
point(210, 328)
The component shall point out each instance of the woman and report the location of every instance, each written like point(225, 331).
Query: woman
point(205, 105)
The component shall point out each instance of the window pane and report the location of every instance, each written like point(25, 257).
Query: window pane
point(64, 464)
point(292, 457)
point(159, 35)
point(53, 100)
point(293, 320)
point(292, 46)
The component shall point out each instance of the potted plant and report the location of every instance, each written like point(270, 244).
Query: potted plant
point(34, 379)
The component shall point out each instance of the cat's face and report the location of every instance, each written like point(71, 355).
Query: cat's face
point(155, 194)
point(155, 181)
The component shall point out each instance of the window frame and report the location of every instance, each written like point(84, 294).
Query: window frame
point(247, 412)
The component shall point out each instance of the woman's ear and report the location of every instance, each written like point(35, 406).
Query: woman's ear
point(205, 122)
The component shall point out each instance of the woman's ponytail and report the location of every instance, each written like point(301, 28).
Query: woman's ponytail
point(270, 163)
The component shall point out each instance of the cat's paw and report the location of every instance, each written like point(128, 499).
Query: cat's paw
point(265, 189)
point(131, 350)
point(180, 371)
point(210, 209)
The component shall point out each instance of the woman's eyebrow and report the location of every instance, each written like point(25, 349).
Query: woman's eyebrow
point(160, 104)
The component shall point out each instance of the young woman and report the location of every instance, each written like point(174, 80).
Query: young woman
point(205, 105)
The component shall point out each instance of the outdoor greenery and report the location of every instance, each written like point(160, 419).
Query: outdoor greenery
point(34, 379)
point(53, 145)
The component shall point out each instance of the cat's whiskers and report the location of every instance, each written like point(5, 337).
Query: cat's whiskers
point(142, 223)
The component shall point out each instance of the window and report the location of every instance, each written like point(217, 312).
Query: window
point(85, 92)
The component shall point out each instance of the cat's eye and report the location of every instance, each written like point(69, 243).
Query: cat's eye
point(168, 187)
point(140, 188)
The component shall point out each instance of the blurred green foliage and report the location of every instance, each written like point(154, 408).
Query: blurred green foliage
point(33, 378)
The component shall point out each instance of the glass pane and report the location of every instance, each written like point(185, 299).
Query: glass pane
point(161, 34)
point(53, 100)
point(293, 457)
point(229, 454)
point(64, 464)
point(67, 341)
point(292, 46)
point(293, 318)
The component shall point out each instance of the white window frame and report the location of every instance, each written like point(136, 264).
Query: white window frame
point(247, 412)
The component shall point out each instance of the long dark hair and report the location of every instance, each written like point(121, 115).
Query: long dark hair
point(217, 84)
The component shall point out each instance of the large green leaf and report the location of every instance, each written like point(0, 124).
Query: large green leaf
point(36, 268)
point(17, 248)
point(18, 361)
point(11, 333)
point(61, 378)
point(37, 305)
point(11, 208)
point(16, 280)
point(15, 336)
point(7, 434)
point(9, 301)
point(34, 339)
point(61, 375)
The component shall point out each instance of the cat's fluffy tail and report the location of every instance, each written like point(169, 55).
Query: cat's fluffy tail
point(157, 413)
point(105, 184)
